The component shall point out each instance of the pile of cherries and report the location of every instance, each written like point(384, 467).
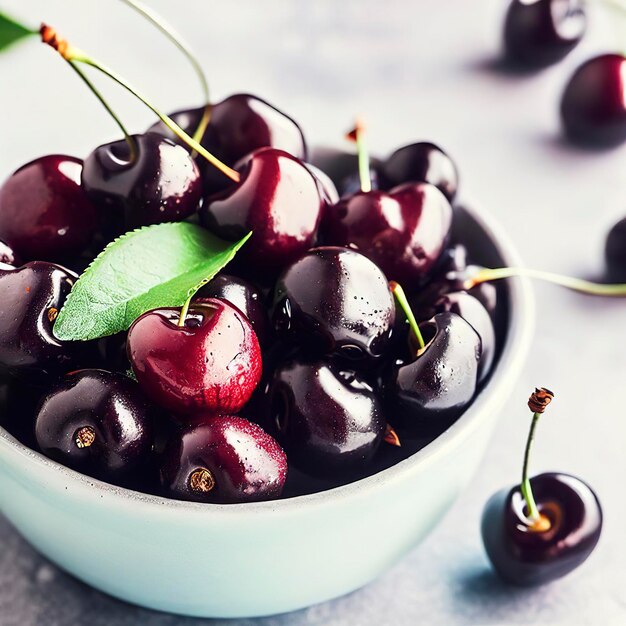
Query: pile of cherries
point(296, 357)
point(539, 33)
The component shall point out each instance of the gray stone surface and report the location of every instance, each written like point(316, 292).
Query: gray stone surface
point(415, 69)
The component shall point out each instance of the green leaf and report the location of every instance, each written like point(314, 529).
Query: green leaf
point(12, 31)
point(155, 266)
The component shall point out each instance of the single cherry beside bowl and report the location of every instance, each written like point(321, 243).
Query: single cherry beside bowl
point(206, 359)
point(335, 301)
point(223, 460)
point(96, 422)
point(155, 181)
point(593, 106)
point(538, 33)
point(544, 528)
point(328, 417)
point(45, 215)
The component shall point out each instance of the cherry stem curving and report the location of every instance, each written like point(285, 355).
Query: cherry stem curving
point(184, 310)
point(525, 487)
point(400, 296)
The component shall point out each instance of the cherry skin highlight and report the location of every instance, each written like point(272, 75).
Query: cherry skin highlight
point(211, 364)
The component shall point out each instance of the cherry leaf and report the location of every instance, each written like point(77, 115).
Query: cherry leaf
point(12, 31)
point(155, 266)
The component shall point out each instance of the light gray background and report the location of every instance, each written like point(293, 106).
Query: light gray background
point(416, 70)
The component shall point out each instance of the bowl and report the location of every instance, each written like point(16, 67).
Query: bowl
point(256, 559)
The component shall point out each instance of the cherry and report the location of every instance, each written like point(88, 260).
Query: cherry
point(223, 460)
point(538, 33)
point(210, 363)
point(544, 528)
point(44, 213)
point(430, 391)
point(335, 301)
point(329, 419)
point(160, 183)
point(422, 162)
point(615, 252)
point(32, 296)
point(404, 231)
point(593, 106)
point(475, 314)
point(96, 422)
point(239, 125)
point(244, 296)
point(7, 255)
point(328, 191)
point(278, 200)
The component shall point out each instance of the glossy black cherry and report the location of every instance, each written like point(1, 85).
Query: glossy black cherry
point(538, 33)
point(32, 296)
point(528, 557)
point(421, 162)
point(161, 183)
point(335, 301)
point(223, 460)
point(615, 252)
point(593, 106)
point(96, 422)
point(45, 215)
point(328, 418)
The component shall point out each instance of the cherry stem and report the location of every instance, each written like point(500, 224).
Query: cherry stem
point(129, 140)
point(178, 41)
point(575, 284)
point(69, 53)
point(400, 296)
point(184, 310)
point(525, 487)
point(359, 136)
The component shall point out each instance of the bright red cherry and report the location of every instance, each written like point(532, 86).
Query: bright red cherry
point(278, 200)
point(212, 363)
point(45, 215)
point(403, 231)
point(593, 107)
point(224, 460)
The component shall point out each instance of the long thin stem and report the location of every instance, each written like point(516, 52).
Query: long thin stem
point(525, 487)
point(363, 157)
point(398, 292)
point(184, 310)
point(129, 140)
point(575, 284)
point(178, 41)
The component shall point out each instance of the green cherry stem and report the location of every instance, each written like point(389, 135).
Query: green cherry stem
point(575, 284)
point(69, 53)
point(178, 41)
point(359, 136)
point(400, 296)
point(185, 309)
point(129, 140)
point(537, 403)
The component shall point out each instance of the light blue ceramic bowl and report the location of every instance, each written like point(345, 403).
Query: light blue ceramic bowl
point(269, 557)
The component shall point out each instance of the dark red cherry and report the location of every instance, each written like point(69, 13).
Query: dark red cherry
point(223, 460)
point(422, 162)
point(243, 295)
point(335, 301)
point(615, 252)
point(278, 200)
point(31, 297)
point(403, 231)
point(211, 364)
point(593, 107)
point(538, 33)
point(429, 392)
point(96, 422)
point(475, 314)
point(328, 418)
point(7, 255)
point(160, 184)
point(238, 125)
point(525, 556)
point(44, 213)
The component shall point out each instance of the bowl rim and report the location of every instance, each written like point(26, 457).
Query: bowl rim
point(512, 358)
